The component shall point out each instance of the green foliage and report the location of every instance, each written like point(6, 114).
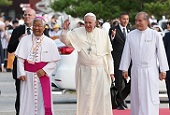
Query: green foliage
point(109, 9)
point(158, 8)
point(5, 2)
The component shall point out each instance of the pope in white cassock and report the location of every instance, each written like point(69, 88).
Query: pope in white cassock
point(94, 66)
point(37, 56)
point(144, 47)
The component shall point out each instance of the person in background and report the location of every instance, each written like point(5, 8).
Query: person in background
point(80, 24)
point(118, 38)
point(167, 26)
point(17, 34)
point(106, 26)
point(20, 19)
point(15, 23)
point(144, 47)
point(55, 32)
point(1, 57)
point(162, 22)
point(11, 56)
point(36, 63)
point(166, 40)
point(5, 36)
point(94, 66)
point(159, 30)
point(3, 47)
point(99, 23)
point(53, 21)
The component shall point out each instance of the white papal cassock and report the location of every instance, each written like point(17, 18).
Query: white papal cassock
point(31, 95)
point(144, 48)
point(93, 70)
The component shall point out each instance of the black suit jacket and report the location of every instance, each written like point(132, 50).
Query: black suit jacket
point(117, 44)
point(13, 43)
point(166, 40)
point(12, 46)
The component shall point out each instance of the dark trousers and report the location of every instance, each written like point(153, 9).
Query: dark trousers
point(120, 83)
point(123, 87)
point(167, 81)
point(126, 90)
point(17, 102)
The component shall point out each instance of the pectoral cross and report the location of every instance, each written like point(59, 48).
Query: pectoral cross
point(89, 50)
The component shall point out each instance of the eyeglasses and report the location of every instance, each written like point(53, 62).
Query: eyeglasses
point(24, 15)
point(168, 23)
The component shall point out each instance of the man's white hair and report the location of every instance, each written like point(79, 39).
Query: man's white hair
point(90, 14)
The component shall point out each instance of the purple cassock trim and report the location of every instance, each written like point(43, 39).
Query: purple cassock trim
point(45, 84)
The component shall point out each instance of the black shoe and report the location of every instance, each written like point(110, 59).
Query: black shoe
point(121, 107)
point(125, 104)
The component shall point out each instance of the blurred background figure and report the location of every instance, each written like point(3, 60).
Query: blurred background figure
point(53, 21)
point(4, 35)
point(99, 23)
point(10, 58)
point(2, 21)
point(163, 22)
point(167, 26)
point(20, 19)
point(55, 32)
point(115, 22)
point(80, 24)
point(159, 29)
point(106, 26)
point(1, 58)
point(152, 19)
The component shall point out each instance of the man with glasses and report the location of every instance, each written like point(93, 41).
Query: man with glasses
point(144, 48)
point(17, 34)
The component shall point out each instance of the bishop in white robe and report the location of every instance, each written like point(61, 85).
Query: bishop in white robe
point(144, 47)
point(94, 67)
point(37, 54)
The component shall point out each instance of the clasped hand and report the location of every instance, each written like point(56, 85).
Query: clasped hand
point(162, 75)
point(40, 73)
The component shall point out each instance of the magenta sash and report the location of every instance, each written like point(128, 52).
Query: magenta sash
point(45, 84)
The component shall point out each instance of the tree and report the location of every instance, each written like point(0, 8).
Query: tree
point(5, 2)
point(109, 9)
point(158, 8)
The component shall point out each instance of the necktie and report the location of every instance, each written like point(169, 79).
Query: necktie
point(28, 31)
point(124, 33)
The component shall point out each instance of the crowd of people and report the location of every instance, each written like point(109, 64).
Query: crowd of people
point(106, 51)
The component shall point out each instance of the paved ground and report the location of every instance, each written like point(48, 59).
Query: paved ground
point(63, 104)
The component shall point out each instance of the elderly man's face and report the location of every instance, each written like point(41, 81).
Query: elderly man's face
point(29, 16)
point(38, 28)
point(141, 23)
point(90, 23)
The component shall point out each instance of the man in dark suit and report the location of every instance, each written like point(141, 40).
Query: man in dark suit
point(17, 34)
point(166, 40)
point(117, 36)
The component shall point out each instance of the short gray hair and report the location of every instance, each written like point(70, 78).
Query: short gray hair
point(146, 16)
point(90, 14)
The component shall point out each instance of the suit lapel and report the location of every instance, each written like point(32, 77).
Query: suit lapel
point(119, 31)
